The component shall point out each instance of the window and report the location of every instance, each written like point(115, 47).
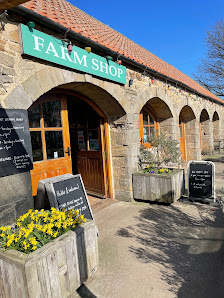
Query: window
point(147, 125)
point(46, 130)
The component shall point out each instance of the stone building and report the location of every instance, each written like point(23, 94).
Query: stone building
point(91, 120)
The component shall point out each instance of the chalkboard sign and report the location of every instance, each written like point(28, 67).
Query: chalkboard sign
point(68, 192)
point(15, 143)
point(201, 179)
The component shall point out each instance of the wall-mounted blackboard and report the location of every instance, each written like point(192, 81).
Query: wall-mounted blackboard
point(201, 179)
point(15, 143)
point(68, 192)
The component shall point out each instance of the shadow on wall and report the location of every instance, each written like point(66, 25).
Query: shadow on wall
point(189, 253)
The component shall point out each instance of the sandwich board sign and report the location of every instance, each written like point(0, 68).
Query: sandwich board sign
point(201, 180)
point(65, 192)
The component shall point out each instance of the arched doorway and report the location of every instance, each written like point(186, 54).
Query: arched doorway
point(69, 135)
point(187, 128)
point(205, 133)
point(216, 127)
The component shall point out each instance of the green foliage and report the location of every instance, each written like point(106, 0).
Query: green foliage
point(163, 153)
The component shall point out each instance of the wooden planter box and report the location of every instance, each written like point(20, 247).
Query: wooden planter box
point(54, 270)
point(166, 188)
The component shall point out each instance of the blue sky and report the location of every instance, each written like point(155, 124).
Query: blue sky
point(172, 30)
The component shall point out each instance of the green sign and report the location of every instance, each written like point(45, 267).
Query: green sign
point(49, 48)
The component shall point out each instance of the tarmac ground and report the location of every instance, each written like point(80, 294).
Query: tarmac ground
point(152, 250)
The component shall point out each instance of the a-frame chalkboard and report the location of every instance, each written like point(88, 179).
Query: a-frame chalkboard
point(65, 192)
point(201, 179)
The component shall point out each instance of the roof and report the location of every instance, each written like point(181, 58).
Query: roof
point(66, 14)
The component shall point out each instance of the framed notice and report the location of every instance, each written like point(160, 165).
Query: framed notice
point(201, 179)
point(15, 142)
point(68, 192)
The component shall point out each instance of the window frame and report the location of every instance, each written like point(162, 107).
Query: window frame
point(42, 129)
point(151, 113)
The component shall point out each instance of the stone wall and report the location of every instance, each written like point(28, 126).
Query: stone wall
point(23, 80)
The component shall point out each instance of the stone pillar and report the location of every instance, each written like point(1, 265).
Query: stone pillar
point(125, 143)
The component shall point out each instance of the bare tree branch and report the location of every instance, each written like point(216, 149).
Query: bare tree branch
point(210, 72)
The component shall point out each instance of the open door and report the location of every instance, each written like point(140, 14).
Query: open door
point(48, 121)
point(86, 145)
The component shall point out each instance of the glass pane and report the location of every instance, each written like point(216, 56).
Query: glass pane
point(34, 116)
point(52, 113)
point(82, 140)
point(151, 120)
point(145, 118)
point(152, 131)
point(54, 144)
point(93, 140)
point(36, 145)
point(145, 134)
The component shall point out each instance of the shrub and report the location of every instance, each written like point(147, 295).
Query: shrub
point(36, 228)
point(163, 153)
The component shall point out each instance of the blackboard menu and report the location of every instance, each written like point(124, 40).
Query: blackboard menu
point(15, 143)
point(200, 178)
point(69, 193)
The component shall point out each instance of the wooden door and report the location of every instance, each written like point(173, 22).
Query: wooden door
point(48, 120)
point(182, 139)
point(86, 145)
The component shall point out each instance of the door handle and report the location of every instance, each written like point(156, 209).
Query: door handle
point(68, 151)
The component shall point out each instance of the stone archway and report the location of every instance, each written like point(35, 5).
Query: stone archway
point(163, 115)
point(206, 140)
point(111, 98)
point(188, 119)
point(216, 126)
point(25, 94)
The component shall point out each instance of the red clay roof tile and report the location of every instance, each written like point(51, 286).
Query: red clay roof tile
point(64, 13)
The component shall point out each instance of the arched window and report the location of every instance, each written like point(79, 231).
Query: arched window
point(147, 125)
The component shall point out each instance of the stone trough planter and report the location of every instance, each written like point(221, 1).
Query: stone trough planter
point(166, 188)
point(54, 270)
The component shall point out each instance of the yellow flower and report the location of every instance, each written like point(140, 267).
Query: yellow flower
point(55, 234)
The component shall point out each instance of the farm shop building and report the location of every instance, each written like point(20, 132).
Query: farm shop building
point(92, 97)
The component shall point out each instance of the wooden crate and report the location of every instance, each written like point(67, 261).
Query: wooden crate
point(54, 270)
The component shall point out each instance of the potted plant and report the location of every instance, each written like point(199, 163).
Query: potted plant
point(47, 253)
point(159, 178)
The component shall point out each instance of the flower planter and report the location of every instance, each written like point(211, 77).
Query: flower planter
point(55, 270)
point(166, 188)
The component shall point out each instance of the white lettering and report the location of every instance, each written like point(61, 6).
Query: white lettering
point(76, 57)
point(120, 71)
point(105, 66)
point(110, 69)
point(51, 48)
point(37, 43)
point(95, 63)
